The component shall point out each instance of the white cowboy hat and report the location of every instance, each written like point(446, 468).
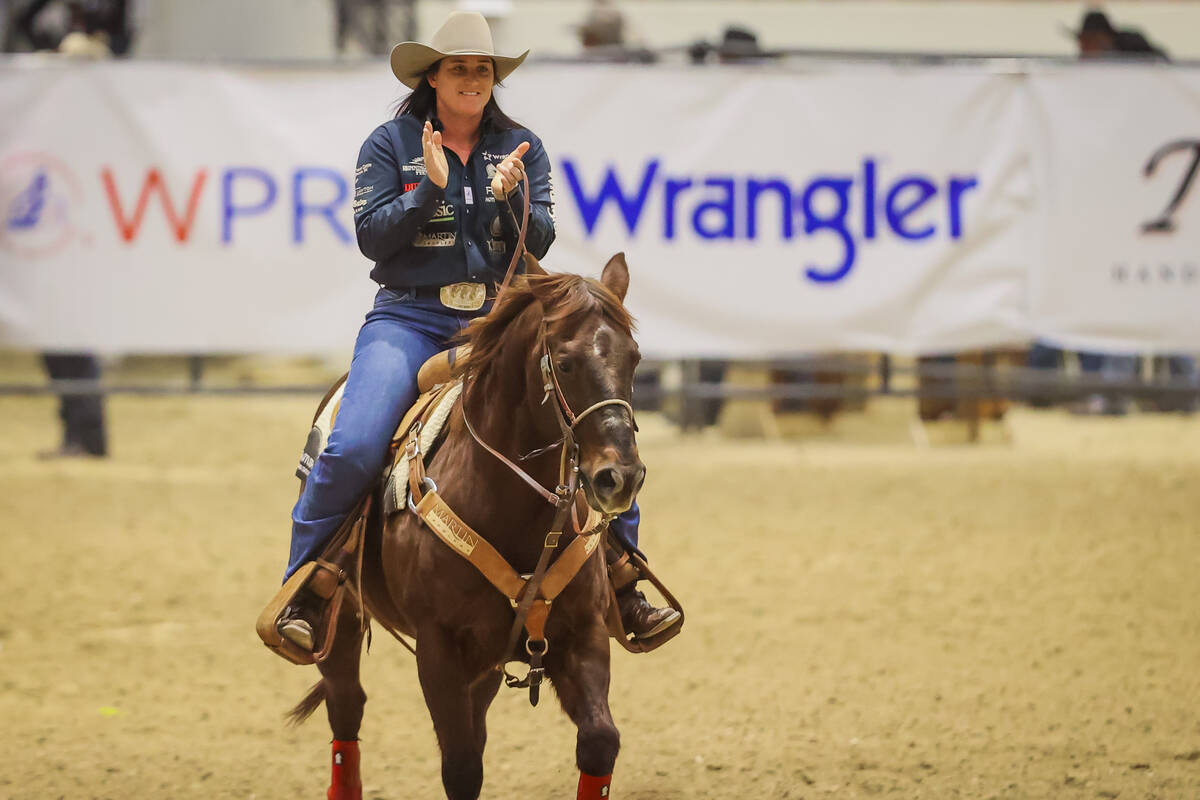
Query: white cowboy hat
point(464, 33)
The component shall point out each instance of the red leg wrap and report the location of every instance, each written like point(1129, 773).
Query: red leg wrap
point(346, 783)
point(592, 787)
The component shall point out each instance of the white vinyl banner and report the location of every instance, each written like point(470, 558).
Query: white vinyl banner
point(1118, 159)
point(198, 208)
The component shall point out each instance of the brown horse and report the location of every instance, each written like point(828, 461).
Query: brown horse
point(414, 583)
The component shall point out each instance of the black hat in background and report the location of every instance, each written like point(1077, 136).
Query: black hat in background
point(737, 44)
point(1095, 22)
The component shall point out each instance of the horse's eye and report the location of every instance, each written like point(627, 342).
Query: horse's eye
point(563, 365)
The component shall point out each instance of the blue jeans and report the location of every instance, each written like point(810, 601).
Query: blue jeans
point(625, 527)
point(399, 334)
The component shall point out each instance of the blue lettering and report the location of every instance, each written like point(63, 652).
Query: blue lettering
point(672, 189)
point(958, 187)
point(328, 210)
point(869, 198)
point(753, 189)
point(897, 212)
point(723, 207)
point(835, 222)
point(589, 208)
point(229, 210)
point(827, 203)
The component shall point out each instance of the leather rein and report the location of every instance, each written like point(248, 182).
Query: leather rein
point(531, 596)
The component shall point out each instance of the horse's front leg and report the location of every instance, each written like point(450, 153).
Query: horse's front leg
point(446, 686)
point(482, 695)
point(580, 675)
point(344, 701)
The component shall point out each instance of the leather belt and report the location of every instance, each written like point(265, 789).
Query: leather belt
point(464, 296)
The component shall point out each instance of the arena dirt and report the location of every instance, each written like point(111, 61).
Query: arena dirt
point(1005, 621)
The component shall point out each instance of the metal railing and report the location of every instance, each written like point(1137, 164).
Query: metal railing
point(820, 378)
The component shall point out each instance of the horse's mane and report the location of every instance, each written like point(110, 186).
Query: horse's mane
point(565, 298)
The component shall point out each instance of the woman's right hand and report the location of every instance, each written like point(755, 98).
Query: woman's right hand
point(435, 156)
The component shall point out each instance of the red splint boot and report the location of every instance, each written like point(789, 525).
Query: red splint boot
point(592, 787)
point(345, 783)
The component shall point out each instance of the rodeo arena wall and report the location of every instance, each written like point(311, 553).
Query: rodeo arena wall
point(839, 206)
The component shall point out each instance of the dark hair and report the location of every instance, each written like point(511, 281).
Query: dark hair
point(421, 103)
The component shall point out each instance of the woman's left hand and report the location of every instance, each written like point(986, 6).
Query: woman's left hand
point(509, 172)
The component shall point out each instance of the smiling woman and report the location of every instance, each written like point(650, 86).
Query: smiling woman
point(467, 94)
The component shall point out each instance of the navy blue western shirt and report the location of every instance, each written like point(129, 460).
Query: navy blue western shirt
point(419, 234)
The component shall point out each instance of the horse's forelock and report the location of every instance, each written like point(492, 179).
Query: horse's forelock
point(583, 297)
point(559, 299)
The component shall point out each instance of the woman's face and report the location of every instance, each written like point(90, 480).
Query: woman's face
point(463, 85)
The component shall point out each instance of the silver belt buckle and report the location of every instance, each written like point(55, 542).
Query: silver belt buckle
point(464, 296)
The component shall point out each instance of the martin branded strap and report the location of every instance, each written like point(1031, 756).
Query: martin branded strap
point(531, 597)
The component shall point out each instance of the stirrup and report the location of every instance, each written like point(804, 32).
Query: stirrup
point(298, 632)
point(624, 570)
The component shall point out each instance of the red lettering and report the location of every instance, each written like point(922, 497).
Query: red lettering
point(129, 227)
point(408, 187)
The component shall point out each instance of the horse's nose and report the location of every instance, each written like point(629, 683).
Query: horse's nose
point(640, 478)
point(615, 485)
point(607, 482)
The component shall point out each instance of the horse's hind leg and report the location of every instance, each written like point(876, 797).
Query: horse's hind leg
point(448, 695)
point(581, 676)
point(344, 701)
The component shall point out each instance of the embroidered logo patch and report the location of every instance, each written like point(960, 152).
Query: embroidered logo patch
point(441, 231)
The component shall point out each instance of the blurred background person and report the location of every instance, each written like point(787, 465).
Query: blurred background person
point(88, 28)
point(1096, 36)
point(82, 413)
point(603, 36)
point(738, 44)
point(93, 29)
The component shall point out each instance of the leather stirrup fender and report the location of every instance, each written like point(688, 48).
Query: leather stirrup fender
point(329, 577)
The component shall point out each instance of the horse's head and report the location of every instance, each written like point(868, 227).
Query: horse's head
point(573, 335)
point(590, 354)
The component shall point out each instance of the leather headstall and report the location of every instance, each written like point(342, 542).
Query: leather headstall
point(530, 597)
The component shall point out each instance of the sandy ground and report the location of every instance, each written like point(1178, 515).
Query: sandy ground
point(1011, 620)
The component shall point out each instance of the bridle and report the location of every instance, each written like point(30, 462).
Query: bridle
point(563, 496)
point(567, 422)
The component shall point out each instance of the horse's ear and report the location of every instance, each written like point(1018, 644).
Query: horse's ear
point(532, 267)
point(616, 276)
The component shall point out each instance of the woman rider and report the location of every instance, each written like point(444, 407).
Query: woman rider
point(426, 211)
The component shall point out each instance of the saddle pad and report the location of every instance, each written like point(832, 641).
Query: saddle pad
point(395, 495)
point(318, 437)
